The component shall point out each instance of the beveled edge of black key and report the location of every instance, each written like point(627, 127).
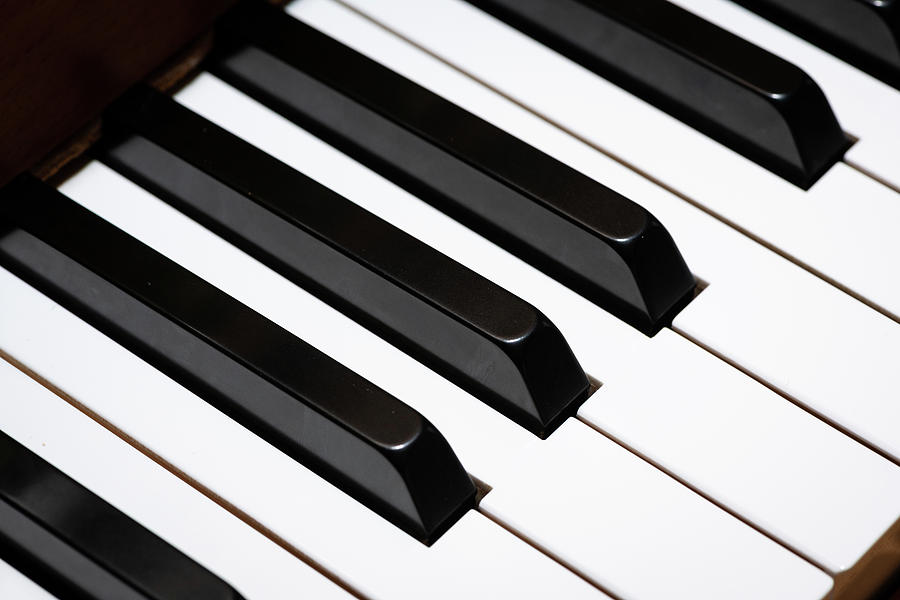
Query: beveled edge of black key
point(638, 239)
point(51, 563)
point(808, 116)
point(37, 490)
point(437, 485)
point(536, 354)
point(887, 11)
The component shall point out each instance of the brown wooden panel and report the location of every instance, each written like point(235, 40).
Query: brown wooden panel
point(63, 61)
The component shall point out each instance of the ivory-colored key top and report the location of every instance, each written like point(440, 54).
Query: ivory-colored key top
point(775, 465)
point(638, 533)
point(835, 356)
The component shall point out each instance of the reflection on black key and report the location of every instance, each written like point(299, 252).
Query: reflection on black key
point(590, 238)
point(480, 336)
point(750, 100)
point(357, 436)
point(865, 33)
point(75, 545)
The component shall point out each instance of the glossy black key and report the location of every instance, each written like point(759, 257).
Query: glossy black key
point(748, 99)
point(865, 33)
point(72, 543)
point(576, 230)
point(357, 436)
point(435, 309)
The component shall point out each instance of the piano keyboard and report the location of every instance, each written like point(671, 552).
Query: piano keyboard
point(404, 298)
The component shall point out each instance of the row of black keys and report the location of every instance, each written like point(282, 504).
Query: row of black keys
point(746, 98)
point(616, 254)
point(441, 313)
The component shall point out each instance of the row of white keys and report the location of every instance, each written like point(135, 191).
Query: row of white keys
point(85, 451)
point(607, 348)
point(842, 227)
point(865, 107)
point(807, 339)
point(662, 559)
point(155, 223)
point(742, 552)
point(369, 554)
point(774, 464)
point(15, 585)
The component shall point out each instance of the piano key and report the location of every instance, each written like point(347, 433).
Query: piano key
point(579, 231)
point(624, 350)
point(308, 515)
point(813, 488)
point(865, 33)
point(75, 544)
point(416, 298)
point(748, 99)
point(835, 356)
point(81, 448)
point(865, 106)
point(800, 224)
point(612, 527)
point(15, 585)
point(719, 256)
point(378, 449)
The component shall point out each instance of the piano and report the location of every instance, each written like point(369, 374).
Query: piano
point(388, 299)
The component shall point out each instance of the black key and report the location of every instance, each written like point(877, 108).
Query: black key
point(72, 543)
point(354, 434)
point(580, 232)
point(435, 309)
point(865, 33)
point(746, 98)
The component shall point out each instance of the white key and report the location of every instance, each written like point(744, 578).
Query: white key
point(751, 280)
point(835, 356)
point(85, 451)
point(15, 585)
point(865, 107)
point(609, 349)
point(345, 538)
point(626, 516)
point(844, 204)
point(776, 465)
